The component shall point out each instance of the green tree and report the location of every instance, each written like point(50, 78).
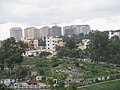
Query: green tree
point(41, 42)
point(70, 44)
point(3, 87)
point(114, 50)
point(44, 54)
point(2, 58)
point(12, 53)
point(98, 46)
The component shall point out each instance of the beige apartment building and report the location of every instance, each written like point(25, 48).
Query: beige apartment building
point(44, 31)
point(31, 33)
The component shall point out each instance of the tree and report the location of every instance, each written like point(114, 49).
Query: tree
point(44, 54)
point(22, 72)
point(2, 59)
point(12, 53)
point(98, 46)
point(70, 44)
point(41, 42)
point(3, 87)
point(114, 50)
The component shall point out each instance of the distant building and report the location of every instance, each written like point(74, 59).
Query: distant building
point(31, 33)
point(0, 43)
point(44, 31)
point(56, 31)
point(16, 33)
point(114, 33)
point(68, 30)
point(76, 29)
point(85, 29)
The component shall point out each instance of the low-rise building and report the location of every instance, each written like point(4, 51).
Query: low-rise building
point(52, 42)
point(84, 44)
point(114, 33)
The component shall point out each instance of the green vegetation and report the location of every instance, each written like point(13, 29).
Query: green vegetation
point(103, 49)
point(3, 87)
point(112, 85)
point(11, 54)
point(85, 69)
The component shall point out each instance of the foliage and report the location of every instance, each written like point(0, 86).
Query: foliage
point(113, 85)
point(3, 87)
point(11, 52)
point(41, 42)
point(71, 53)
point(98, 45)
point(103, 49)
point(44, 54)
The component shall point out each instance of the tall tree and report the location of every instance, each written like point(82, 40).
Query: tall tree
point(2, 58)
point(12, 53)
point(98, 46)
point(114, 50)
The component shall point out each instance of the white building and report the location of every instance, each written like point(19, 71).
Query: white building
point(84, 44)
point(52, 42)
point(114, 33)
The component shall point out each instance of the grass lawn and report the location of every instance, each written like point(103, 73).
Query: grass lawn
point(113, 85)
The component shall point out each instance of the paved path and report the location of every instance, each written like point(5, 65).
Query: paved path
point(98, 83)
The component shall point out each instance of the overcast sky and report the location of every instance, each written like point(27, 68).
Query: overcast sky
point(99, 14)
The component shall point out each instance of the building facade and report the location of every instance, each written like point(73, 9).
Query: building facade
point(68, 30)
point(114, 33)
point(31, 33)
point(56, 31)
point(44, 31)
point(76, 29)
point(52, 42)
point(16, 33)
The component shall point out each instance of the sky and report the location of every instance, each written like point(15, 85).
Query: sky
point(99, 14)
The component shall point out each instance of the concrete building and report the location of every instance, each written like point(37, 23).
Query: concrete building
point(0, 43)
point(52, 42)
point(56, 31)
point(16, 32)
point(44, 31)
point(35, 42)
point(76, 29)
point(31, 33)
point(114, 33)
point(84, 44)
point(32, 43)
point(85, 29)
point(68, 30)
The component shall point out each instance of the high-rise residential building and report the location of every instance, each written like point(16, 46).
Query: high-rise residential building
point(0, 43)
point(16, 32)
point(31, 33)
point(44, 31)
point(85, 29)
point(56, 31)
point(76, 29)
point(68, 30)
